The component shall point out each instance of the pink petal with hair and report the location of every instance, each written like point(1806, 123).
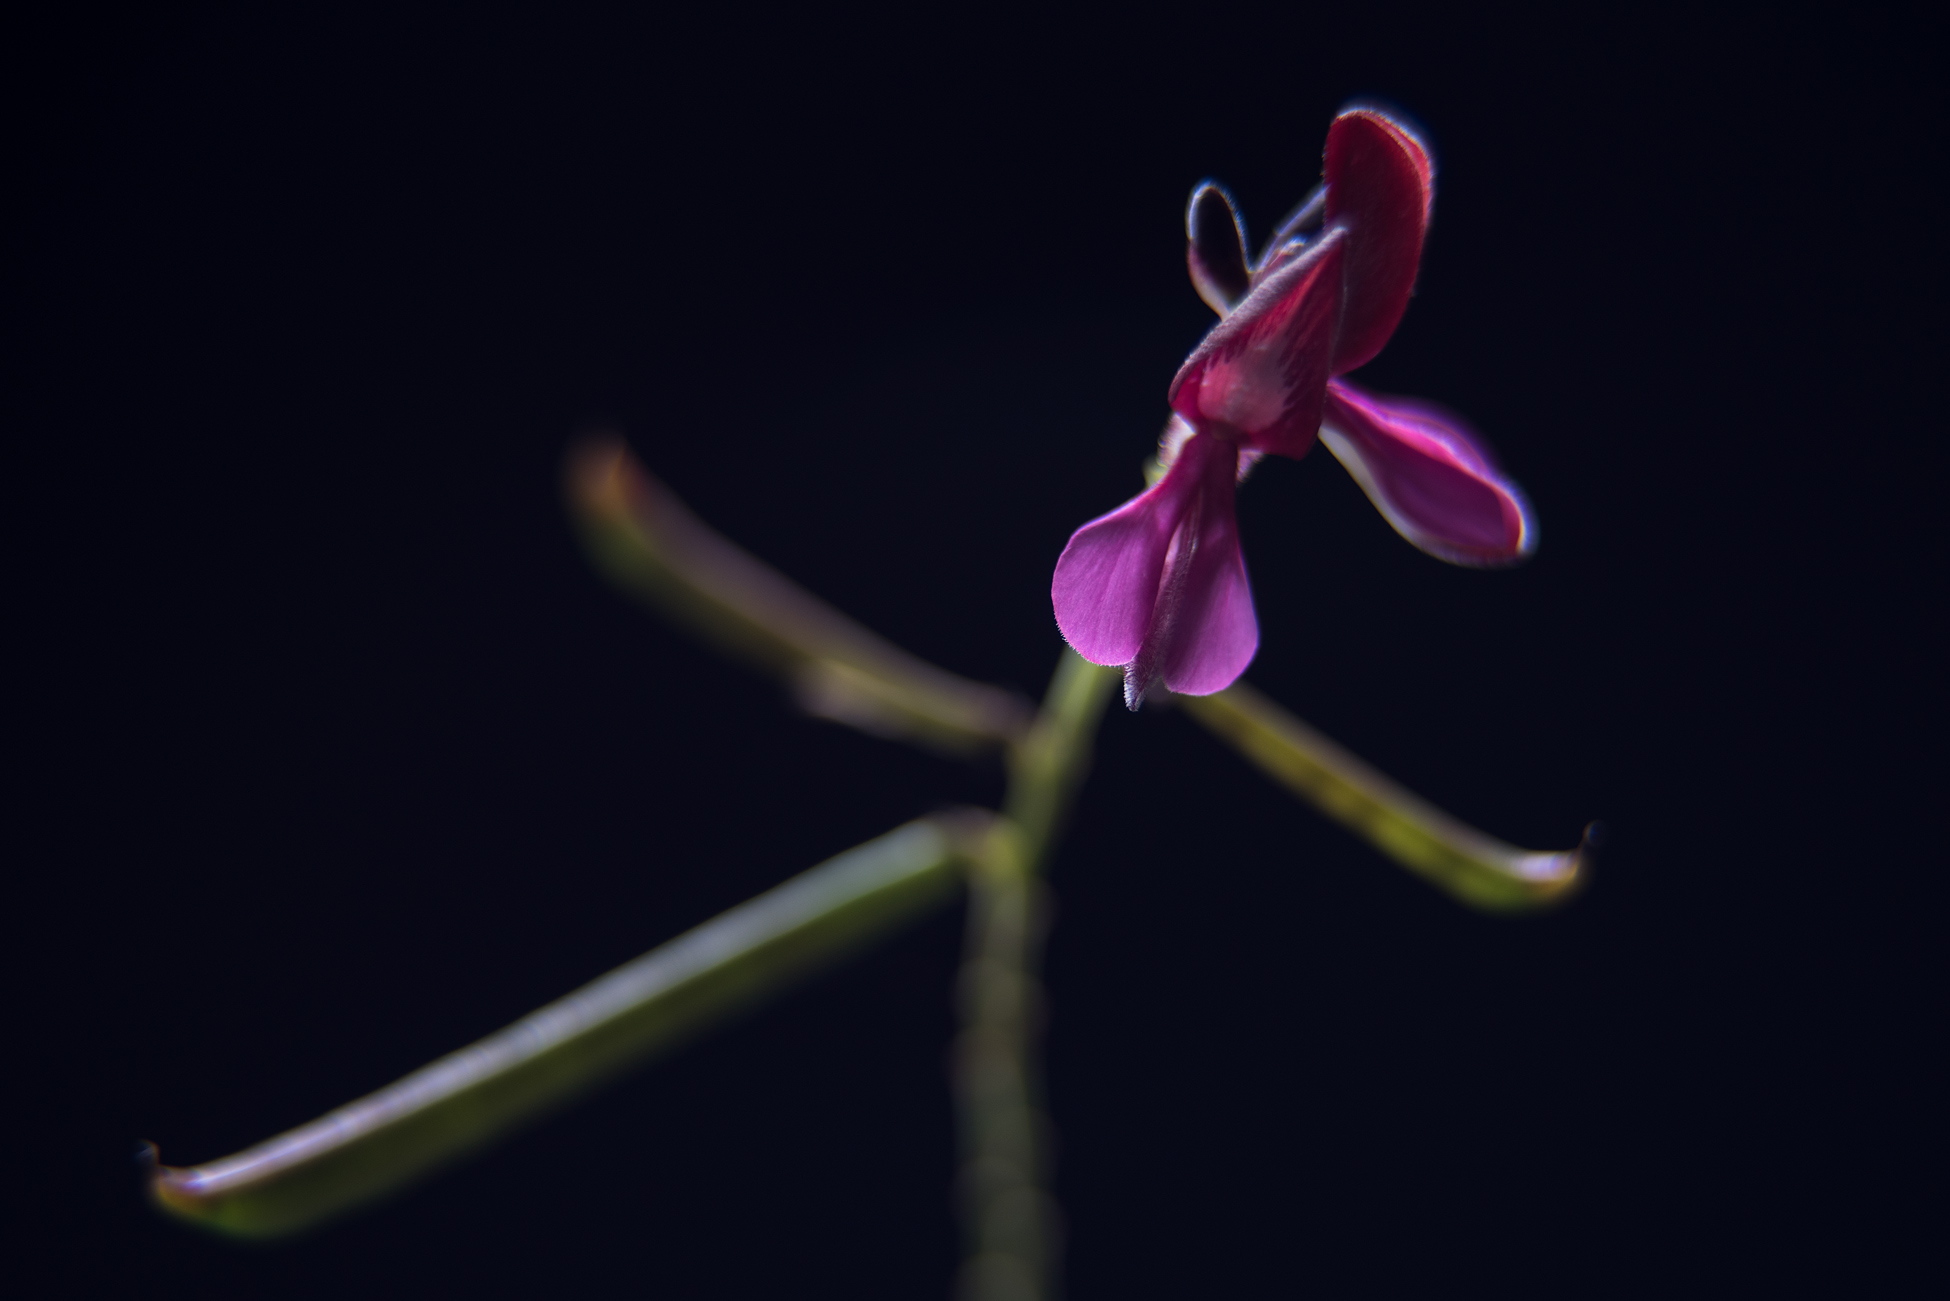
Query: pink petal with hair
point(1381, 190)
point(1217, 632)
point(1429, 476)
point(1258, 376)
point(1106, 584)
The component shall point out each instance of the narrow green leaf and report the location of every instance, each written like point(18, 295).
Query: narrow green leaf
point(1477, 869)
point(645, 539)
point(379, 1144)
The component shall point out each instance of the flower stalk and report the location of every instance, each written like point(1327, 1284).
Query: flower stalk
point(1011, 1226)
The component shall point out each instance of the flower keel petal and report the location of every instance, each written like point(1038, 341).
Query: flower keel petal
point(1258, 376)
point(1217, 633)
point(1430, 477)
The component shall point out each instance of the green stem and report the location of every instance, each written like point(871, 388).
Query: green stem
point(379, 1144)
point(1010, 1220)
point(1048, 765)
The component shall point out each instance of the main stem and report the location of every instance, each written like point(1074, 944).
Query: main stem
point(1010, 1219)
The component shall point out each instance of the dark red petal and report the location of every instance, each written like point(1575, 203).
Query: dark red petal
point(1429, 476)
point(1380, 189)
point(1257, 378)
point(1215, 248)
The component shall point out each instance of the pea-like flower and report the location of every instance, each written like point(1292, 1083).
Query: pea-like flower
point(1159, 585)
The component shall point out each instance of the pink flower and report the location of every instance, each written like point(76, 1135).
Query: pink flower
point(1159, 586)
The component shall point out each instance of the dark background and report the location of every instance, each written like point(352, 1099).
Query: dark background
point(331, 754)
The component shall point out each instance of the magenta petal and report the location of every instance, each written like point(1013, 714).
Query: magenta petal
point(1429, 476)
point(1106, 583)
point(1257, 377)
point(1380, 189)
point(1217, 632)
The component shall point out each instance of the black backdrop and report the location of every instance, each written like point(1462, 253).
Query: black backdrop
point(332, 753)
